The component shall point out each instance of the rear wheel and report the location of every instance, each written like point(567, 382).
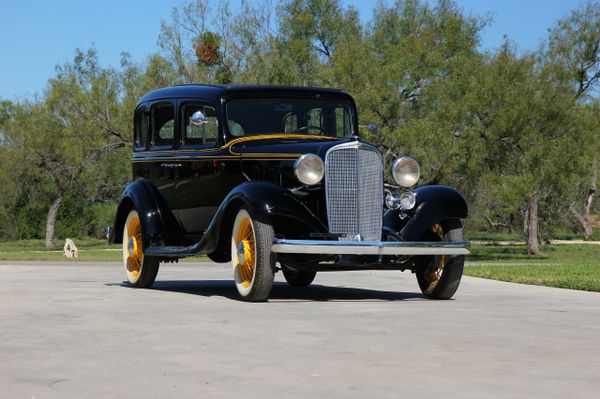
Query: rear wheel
point(140, 270)
point(251, 257)
point(439, 275)
point(299, 278)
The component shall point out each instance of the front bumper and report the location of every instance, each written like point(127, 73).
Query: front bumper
point(323, 247)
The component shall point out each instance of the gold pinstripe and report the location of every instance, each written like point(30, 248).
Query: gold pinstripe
point(229, 144)
point(213, 158)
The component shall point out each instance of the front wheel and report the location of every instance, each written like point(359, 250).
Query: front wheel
point(251, 257)
point(140, 270)
point(439, 275)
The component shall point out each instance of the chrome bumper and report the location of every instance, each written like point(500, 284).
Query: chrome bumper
point(369, 247)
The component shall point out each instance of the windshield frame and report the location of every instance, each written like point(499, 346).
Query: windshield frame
point(348, 105)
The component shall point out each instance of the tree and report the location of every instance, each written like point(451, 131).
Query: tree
point(573, 56)
point(76, 124)
point(529, 124)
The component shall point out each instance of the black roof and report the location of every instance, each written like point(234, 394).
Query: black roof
point(217, 92)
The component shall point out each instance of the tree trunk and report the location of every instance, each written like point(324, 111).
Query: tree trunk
point(52, 220)
point(533, 242)
point(526, 219)
point(587, 203)
point(587, 227)
point(585, 219)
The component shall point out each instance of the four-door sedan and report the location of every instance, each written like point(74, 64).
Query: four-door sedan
point(276, 178)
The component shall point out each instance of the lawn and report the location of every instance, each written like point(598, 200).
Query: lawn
point(563, 266)
point(90, 250)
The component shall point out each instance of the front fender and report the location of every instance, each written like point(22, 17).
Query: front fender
point(434, 204)
point(266, 200)
point(157, 220)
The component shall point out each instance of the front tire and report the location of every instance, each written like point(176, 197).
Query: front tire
point(439, 276)
point(140, 270)
point(251, 257)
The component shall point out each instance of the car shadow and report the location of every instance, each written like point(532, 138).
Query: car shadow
point(281, 291)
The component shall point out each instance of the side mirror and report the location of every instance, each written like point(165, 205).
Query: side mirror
point(373, 128)
point(198, 118)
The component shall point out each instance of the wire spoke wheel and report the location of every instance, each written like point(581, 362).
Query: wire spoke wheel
point(439, 275)
point(140, 270)
point(251, 258)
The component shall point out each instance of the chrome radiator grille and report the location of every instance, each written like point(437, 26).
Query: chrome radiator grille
point(354, 190)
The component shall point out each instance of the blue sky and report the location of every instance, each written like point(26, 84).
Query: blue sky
point(37, 35)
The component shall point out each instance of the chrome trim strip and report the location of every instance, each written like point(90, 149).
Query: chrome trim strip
point(370, 247)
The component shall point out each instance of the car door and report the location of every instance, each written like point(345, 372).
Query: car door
point(199, 184)
point(162, 162)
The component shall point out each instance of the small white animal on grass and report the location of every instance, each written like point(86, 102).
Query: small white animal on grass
point(71, 250)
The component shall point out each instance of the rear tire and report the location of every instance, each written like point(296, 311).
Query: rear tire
point(251, 257)
point(439, 276)
point(140, 270)
point(299, 278)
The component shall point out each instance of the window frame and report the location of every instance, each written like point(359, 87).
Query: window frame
point(141, 111)
point(182, 104)
point(349, 105)
point(154, 145)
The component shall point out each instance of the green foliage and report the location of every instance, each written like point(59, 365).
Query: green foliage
point(51, 144)
point(501, 126)
point(574, 48)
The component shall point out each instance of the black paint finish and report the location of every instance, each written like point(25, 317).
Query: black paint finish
point(188, 195)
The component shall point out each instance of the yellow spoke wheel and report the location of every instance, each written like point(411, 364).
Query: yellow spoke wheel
point(439, 261)
point(140, 270)
point(251, 258)
point(439, 276)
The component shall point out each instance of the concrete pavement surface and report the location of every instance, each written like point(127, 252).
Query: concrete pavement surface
point(74, 330)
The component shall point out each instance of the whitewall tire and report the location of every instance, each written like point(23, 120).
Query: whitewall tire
point(252, 261)
point(140, 270)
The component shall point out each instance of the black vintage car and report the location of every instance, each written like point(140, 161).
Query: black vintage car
point(276, 178)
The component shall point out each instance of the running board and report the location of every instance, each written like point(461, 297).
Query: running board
point(322, 247)
point(173, 251)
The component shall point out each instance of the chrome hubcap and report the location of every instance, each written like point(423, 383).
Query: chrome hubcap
point(241, 253)
point(131, 246)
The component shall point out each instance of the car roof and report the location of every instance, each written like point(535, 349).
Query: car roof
point(218, 91)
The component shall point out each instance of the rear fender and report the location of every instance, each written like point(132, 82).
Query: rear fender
point(157, 220)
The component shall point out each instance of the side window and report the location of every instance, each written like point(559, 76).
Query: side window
point(342, 122)
point(207, 133)
point(314, 121)
point(142, 127)
point(163, 124)
point(290, 123)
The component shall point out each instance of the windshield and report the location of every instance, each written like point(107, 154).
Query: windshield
point(327, 118)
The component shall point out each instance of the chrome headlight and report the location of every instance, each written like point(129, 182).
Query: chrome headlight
point(309, 169)
point(406, 171)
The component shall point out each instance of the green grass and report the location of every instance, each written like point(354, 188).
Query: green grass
point(495, 236)
point(563, 266)
point(90, 250)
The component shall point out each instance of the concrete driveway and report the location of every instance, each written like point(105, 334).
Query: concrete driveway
point(73, 330)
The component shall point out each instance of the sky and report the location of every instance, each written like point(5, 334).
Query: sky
point(35, 36)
